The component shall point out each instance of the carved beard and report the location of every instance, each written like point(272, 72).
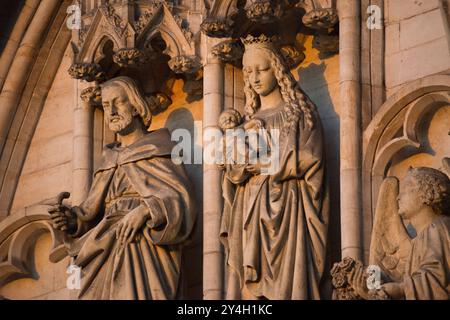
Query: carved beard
point(124, 121)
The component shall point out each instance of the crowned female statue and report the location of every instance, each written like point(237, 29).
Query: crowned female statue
point(274, 225)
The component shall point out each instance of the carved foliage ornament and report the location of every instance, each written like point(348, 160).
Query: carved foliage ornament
point(130, 57)
point(218, 28)
point(92, 95)
point(227, 51)
point(343, 290)
point(261, 11)
point(113, 18)
point(320, 18)
point(86, 71)
point(184, 64)
point(147, 16)
point(340, 273)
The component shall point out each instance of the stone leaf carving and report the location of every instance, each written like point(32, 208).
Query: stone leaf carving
point(114, 19)
point(339, 274)
point(130, 57)
point(260, 10)
point(228, 51)
point(217, 28)
point(186, 32)
point(82, 36)
point(147, 16)
point(184, 64)
point(321, 18)
point(86, 71)
point(92, 95)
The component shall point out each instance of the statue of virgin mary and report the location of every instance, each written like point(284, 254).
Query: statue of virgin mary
point(274, 226)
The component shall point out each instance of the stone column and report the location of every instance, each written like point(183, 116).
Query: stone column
point(22, 64)
point(350, 127)
point(83, 139)
point(213, 264)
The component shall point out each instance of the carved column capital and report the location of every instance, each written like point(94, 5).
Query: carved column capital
point(86, 71)
point(130, 57)
point(261, 10)
point(91, 95)
point(184, 64)
point(228, 51)
point(320, 18)
point(217, 27)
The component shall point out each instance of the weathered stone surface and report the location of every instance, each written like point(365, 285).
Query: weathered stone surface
point(413, 267)
point(407, 61)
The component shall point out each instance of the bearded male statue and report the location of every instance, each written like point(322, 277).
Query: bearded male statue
point(129, 232)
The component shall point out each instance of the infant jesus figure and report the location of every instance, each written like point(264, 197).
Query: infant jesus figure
point(240, 142)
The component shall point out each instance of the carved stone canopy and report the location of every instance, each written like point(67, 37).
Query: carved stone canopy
point(145, 40)
point(283, 18)
point(131, 28)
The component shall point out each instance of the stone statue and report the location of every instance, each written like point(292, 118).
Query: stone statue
point(274, 226)
point(130, 230)
point(417, 269)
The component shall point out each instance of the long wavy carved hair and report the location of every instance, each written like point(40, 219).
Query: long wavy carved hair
point(297, 105)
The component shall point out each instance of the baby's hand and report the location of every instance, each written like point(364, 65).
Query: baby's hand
point(254, 124)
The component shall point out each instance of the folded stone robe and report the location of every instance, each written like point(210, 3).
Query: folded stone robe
point(427, 274)
point(274, 228)
point(141, 174)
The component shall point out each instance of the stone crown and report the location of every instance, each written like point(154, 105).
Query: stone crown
point(260, 41)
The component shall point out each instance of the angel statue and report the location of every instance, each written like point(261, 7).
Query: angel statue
point(274, 225)
point(129, 233)
point(418, 268)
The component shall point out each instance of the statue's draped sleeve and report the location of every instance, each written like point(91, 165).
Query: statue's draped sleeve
point(428, 273)
point(163, 186)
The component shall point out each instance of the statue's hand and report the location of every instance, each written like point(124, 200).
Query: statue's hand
point(131, 224)
point(63, 218)
point(257, 168)
point(254, 168)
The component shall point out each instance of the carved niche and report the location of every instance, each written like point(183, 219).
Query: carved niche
point(410, 129)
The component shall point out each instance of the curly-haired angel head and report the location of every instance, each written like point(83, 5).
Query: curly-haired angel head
point(122, 100)
point(424, 187)
point(265, 70)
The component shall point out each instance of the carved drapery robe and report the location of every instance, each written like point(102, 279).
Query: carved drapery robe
point(274, 228)
point(141, 174)
point(427, 275)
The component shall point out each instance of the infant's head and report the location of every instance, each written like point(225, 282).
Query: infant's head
point(229, 119)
